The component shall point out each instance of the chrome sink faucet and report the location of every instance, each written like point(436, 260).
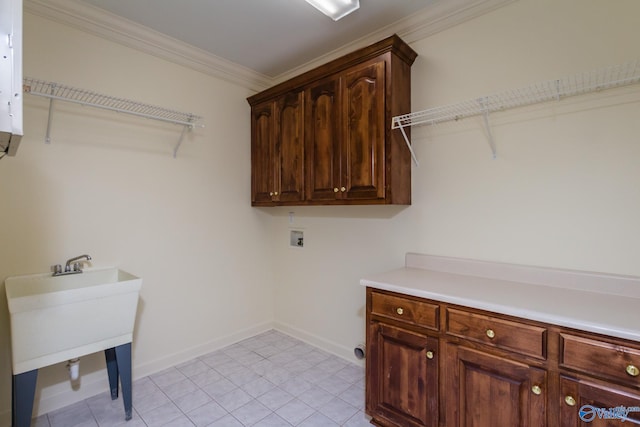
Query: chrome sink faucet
point(77, 265)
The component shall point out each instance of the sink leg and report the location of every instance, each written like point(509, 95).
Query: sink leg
point(23, 392)
point(123, 358)
point(112, 371)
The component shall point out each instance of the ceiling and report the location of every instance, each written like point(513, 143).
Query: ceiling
point(267, 36)
point(255, 43)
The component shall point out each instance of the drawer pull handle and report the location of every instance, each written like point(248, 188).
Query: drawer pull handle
point(632, 370)
point(400, 311)
point(569, 400)
point(536, 390)
point(490, 333)
point(429, 355)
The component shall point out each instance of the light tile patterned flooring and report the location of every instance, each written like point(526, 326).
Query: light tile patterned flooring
point(269, 380)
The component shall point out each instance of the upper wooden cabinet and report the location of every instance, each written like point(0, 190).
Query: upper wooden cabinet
point(325, 136)
point(322, 151)
point(277, 153)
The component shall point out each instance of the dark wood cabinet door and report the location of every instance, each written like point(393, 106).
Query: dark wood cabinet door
point(323, 140)
point(483, 390)
point(262, 153)
point(289, 147)
point(586, 403)
point(402, 370)
point(363, 162)
point(334, 145)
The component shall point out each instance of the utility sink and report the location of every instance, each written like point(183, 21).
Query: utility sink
point(57, 318)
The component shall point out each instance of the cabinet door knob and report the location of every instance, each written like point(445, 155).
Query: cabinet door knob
point(400, 311)
point(343, 189)
point(429, 355)
point(632, 370)
point(271, 193)
point(569, 400)
point(335, 189)
point(275, 193)
point(490, 333)
point(536, 390)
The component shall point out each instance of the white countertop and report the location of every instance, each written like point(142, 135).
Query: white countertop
point(594, 302)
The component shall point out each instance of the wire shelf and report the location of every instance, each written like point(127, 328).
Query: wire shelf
point(606, 78)
point(56, 91)
point(582, 83)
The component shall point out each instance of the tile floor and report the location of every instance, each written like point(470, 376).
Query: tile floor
point(270, 380)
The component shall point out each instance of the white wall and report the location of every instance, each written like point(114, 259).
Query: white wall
point(563, 191)
point(108, 186)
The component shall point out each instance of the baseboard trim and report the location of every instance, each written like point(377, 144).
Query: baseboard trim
point(158, 365)
point(332, 347)
point(95, 383)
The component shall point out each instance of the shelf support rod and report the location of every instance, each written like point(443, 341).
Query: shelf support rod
point(406, 140)
point(487, 125)
point(182, 135)
point(47, 137)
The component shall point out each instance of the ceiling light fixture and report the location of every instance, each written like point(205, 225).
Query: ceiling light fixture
point(335, 9)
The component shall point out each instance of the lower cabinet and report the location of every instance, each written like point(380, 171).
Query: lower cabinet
point(486, 390)
point(587, 403)
point(402, 376)
point(431, 363)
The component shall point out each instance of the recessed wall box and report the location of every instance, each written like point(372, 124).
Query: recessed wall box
point(296, 238)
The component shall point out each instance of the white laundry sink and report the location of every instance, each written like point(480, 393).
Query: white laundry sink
point(57, 318)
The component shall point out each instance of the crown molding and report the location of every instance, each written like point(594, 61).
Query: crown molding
point(109, 26)
point(439, 16)
point(445, 14)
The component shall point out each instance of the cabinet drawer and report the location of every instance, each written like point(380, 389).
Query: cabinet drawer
point(601, 358)
point(519, 337)
point(407, 310)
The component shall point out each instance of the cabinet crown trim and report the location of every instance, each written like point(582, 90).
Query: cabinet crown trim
point(392, 44)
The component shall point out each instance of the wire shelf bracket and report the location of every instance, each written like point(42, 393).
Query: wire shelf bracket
point(58, 92)
point(578, 84)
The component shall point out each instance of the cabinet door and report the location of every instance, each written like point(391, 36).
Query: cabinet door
point(323, 141)
point(489, 391)
point(289, 143)
point(402, 370)
point(590, 404)
point(262, 153)
point(363, 140)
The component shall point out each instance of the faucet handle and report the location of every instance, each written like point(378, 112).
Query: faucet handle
point(57, 269)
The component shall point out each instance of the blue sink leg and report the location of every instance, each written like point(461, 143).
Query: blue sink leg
point(112, 371)
point(23, 391)
point(123, 360)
